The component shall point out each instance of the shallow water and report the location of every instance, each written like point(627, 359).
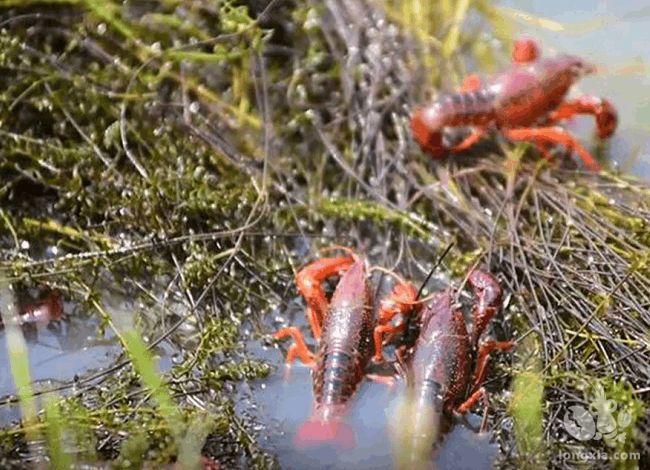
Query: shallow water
point(58, 352)
point(71, 347)
point(283, 401)
point(614, 35)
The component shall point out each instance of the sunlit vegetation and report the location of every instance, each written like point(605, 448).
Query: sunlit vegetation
point(167, 166)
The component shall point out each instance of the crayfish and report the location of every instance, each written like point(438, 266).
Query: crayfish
point(446, 367)
point(43, 311)
point(345, 328)
point(48, 309)
point(525, 104)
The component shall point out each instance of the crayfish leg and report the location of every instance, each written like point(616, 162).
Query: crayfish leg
point(484, 355)
point(309, 280)
point(315, 321)
point(299, 349)
point(378, 337)
point(386, 380)
point(469, 141)
point(401, 301)
point(554, 135)
point(473, 399)
point(602, 110)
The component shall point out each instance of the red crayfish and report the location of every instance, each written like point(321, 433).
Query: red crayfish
point(43, 311)
point(48, 309)
point(439, 368)
point(345, 328)
point(524, 104)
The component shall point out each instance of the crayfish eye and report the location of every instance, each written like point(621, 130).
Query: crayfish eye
point(577, 70)
point(580, 68)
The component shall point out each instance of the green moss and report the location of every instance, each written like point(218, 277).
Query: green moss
point(360, 210)
point(161, 147)
point(461, 262)
point(70, 423)
point(599, 203)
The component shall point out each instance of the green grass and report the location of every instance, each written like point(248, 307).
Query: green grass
point(527, 405)
point(57, 429)
point(184, 161)
point(19, 361)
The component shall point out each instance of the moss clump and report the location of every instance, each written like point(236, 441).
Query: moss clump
point(172, 163)
point(377, 214)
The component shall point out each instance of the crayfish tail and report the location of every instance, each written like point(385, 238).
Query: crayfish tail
point(427, 133)
point(316, 432)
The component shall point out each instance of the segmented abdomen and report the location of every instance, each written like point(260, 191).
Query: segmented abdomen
point(440, 363)
point(472, 108)
point(337, 376)
point(346, 342)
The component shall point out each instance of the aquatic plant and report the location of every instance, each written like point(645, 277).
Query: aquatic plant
point(170, 162)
